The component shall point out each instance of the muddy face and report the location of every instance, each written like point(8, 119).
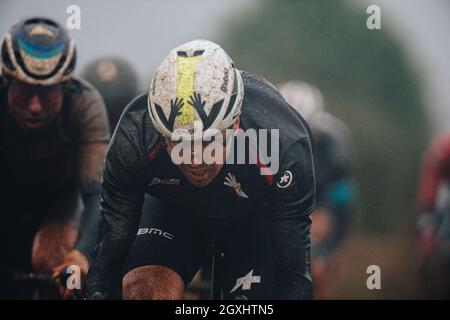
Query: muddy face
point(198, 172)
point(34, 106)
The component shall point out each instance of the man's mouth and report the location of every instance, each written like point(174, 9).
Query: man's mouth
point(34, 123)
point(198, 173)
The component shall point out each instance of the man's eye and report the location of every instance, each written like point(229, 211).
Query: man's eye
point(206, 143)
point(175, 142)
point(48, 92)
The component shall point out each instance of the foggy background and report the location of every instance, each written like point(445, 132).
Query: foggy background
point(390, 86)
point(145, 30)
point(142, 31)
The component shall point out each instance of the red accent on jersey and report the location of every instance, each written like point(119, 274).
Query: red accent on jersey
point(155, 150)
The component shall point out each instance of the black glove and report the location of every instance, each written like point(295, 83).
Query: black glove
point(104, 279)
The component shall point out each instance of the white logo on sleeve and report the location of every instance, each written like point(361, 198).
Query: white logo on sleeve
point(231, 181)
point(169, 181)
point(285, 180)
point(246, 281)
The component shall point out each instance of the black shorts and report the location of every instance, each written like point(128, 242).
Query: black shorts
point(184, 241)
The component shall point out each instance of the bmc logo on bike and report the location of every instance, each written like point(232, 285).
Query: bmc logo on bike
point(74, 280)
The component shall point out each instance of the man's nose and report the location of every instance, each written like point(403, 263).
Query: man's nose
point(35, 104)
point(196, 159)
point(196, 155)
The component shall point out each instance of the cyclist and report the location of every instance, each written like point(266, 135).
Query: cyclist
point(117, 82)
point(53, 139)
point(160, 217)
point(331, 147)
point(433, 200)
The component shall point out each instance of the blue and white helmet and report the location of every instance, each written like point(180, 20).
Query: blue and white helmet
point(38, 51)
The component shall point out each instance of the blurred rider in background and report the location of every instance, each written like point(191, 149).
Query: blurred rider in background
point(53, 139)
point(433, 200)
point(117, 82)
point(332, 161)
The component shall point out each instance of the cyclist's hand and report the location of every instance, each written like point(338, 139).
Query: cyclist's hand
point(61, 275)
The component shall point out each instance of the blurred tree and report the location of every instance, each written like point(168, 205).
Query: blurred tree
point(367, 82)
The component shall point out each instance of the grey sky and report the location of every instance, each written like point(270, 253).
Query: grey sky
point(144, 31)
point(423, 27)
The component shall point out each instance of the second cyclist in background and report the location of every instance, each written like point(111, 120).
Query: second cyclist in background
point(433, 200)
point(53, 139)
point(332, 160)
point(117, 82)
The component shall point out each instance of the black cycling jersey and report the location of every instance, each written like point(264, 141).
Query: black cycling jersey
point(138, 163)
point(40, 168)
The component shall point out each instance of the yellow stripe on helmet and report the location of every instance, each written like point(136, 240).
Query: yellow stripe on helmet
point(186, 70)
